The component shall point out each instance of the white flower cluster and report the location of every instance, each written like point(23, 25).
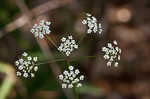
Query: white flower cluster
point(26, 66)
point(112, 53)
point(93, 25)
point(67, 45)
point(71, 78)
point(41, 29)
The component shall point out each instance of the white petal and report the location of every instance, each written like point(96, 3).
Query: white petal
point(35, 68)
point(116, 64)
point(71, 68)
point(17, 63)
point(115, 42)
point(64, 85)
point(109, 63)
point(70, 86)
point(81, 77)
point(88, 14)
point(25, 75)
point(24, 54)
point(35, 59)
point(79, 85)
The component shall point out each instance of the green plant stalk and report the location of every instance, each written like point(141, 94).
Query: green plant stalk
point(75, 93)
point(63, 59)
point(56, 60)
point(68, 63)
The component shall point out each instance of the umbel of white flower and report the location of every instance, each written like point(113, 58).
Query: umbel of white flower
point(67, 45)
point(71, 78)
point(26, 66)
point(41, 29)
point(112, 53)
point(92, 24)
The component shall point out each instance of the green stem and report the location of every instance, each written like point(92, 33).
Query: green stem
point(75, 93)
point(63, 59)
point(57, 60)
point(68, 63)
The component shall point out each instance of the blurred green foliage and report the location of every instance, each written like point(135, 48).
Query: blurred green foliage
point(7, 12)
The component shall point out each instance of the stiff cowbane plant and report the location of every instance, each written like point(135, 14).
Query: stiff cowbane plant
point(70, 77)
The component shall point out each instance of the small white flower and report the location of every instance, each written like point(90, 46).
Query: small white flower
point(109, 45)
point(64, 85)
point(70, 67)
point(35, 68)
point(100, 25)
point(84, 22)
point(48, 23)
point(106, 56)
point(71, 78)
point(108, 63)
point(119, 50)
point(29, 58)
point(20, 67)
point(66, 73)
point(35, 59)
point(21, 60)
point(70, 86)
point(89, 31)
point(115, 42)
point(32, 75)
point(76, 46)
point(118, 57)
point(24, 54)
point(81, 77)
point(112, 53)
point(26, 67)
point(25, 75)
point(61, 77)
point(67, 45)
point(92, 24)
point(70, 37)
point(100, 31)
point(63, 39)
point(77, 71)
point(116, 64)
point(88, 14)
point(17, 63)
point(18, 73)
point(41, 29)
point(79, 85)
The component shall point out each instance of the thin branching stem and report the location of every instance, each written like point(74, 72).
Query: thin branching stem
point(51, 61)
point(63, 59)
point(75, 93)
